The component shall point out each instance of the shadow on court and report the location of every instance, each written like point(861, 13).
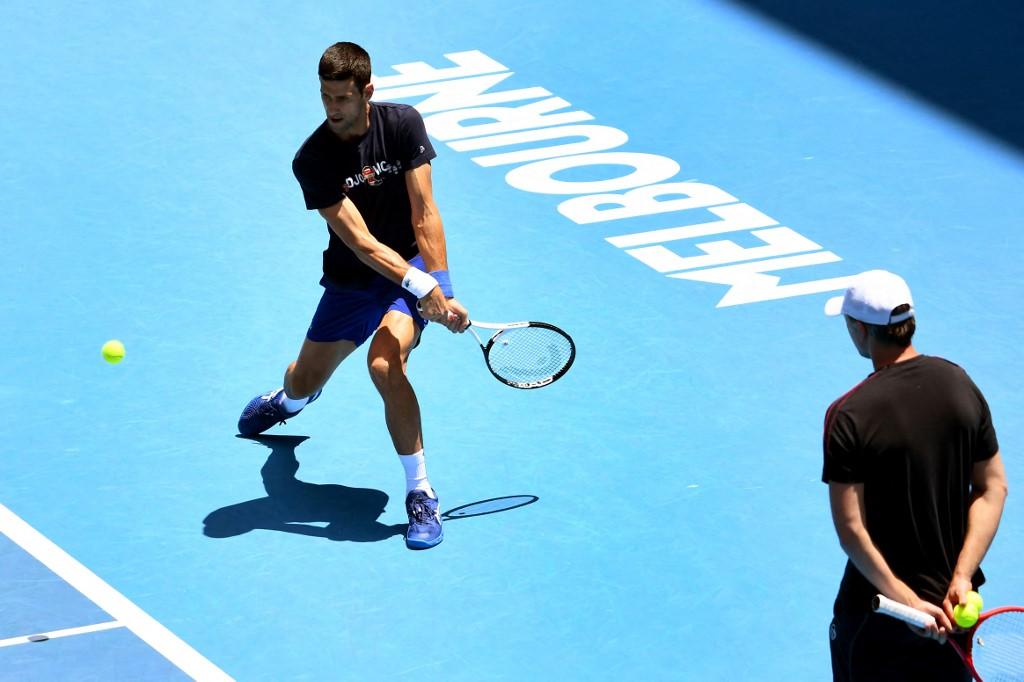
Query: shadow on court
point(294, 506)
point(961, 55)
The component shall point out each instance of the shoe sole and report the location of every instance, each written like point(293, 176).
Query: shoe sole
point(424, 544)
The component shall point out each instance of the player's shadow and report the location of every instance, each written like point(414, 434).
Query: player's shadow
point(294, 506)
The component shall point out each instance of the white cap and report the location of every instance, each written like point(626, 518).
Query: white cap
point(872, 298)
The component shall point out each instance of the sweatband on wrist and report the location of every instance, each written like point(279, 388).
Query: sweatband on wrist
point(444, 281)
point(418, 283)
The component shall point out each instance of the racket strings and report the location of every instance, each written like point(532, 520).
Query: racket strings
point(529, 354)
point(998, 647)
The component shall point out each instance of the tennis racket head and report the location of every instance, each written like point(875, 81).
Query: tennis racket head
point(995, 648)
point(528, 355)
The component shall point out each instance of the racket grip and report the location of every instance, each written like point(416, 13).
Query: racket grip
point(419, 309)
point(882, 604)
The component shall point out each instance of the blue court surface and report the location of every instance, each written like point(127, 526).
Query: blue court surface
point(657, 514)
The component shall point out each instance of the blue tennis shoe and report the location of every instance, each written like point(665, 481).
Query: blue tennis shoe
point(424, 521)
point(265, 411)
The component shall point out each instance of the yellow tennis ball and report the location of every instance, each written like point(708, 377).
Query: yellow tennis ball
point(974, 599)
point(113, 351)
point(965, 615)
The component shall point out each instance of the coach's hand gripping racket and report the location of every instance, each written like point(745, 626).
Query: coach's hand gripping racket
point(995, 644)
point(525, 354)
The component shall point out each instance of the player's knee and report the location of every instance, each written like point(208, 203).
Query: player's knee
point(385, 369)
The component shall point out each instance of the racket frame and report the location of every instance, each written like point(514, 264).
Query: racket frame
point(499, 328)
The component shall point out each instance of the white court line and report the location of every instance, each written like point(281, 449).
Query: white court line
point(190, 661)
point(57, 634)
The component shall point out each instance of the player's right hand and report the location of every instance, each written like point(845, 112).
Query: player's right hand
point(444, 311)
point(942, 626)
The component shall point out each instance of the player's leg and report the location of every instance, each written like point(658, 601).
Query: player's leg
point(344, 319)
point(303, 381)
point(388, 360)
point(841, 632)
point(316, 363)
point(884, 649)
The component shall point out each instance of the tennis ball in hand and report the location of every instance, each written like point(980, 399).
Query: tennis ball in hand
point(965, 615)
point(973, 598)
point(113, 351)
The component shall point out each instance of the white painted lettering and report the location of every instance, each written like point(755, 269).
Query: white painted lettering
point(595, 139)
point(537, 177)
point(457, 94)
point(461, 111)
point(448, 125)
point(643, 201)
point(734, 217)
point(471, 63)
point(748, 285)
point(780, 240)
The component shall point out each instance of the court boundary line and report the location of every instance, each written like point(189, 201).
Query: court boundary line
point(57, 634)
point(124, 611)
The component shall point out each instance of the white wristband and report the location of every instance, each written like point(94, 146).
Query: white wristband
point(418, 283)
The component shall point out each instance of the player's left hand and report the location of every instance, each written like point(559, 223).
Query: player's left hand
point(458, 317)
point(959, 586)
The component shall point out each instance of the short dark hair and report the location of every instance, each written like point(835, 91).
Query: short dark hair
point(342, 61)
point(898, 334)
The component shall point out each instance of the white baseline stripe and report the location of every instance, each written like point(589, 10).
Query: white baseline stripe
point(191, 662)
point(67, 632)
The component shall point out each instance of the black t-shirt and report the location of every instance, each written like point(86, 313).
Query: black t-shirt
point(911, 433)
point(370, 172)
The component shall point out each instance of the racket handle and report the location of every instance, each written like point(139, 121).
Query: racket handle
point(882, 604)
point(419, 309)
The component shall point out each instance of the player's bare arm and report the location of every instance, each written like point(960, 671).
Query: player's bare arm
point(429, 231)
point(847, 502)
point(988, 495)
point(346, 222)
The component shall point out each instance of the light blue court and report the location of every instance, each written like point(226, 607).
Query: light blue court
point(657, 514)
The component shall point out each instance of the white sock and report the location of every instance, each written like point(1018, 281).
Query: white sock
point(416, 473)
point(290, 404)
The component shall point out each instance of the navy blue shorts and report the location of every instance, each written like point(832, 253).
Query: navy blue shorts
point(353, 314)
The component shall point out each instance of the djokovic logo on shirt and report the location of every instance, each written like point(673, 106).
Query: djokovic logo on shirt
point(374, 175)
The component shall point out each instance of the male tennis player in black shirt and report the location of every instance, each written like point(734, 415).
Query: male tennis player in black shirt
point(916, 485)
point(366, 169)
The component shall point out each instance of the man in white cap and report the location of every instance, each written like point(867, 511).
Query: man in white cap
point(916, 485)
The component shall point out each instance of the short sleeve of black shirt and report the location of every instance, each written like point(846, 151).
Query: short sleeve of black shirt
point(322, 183)
point(987, 444)
point(843, 463)
point(416, 147)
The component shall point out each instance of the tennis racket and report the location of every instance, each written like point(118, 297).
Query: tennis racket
point(995, 644)
point(525, 354)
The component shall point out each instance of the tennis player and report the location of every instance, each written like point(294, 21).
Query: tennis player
point(366, 169)
point(917, 487)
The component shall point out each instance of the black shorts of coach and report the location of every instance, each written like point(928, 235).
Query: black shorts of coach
point(871, 647)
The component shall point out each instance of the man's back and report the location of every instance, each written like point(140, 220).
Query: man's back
point(911, 433)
